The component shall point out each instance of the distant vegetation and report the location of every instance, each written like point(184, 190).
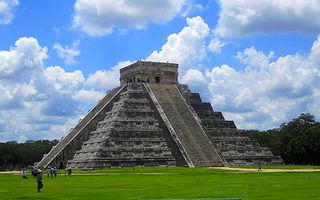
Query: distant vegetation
point(15, 155)
point(297, 142)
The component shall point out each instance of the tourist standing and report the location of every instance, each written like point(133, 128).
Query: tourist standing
point(24, 174)
point(259, 167)
point(55, 172)
point(51, 172)
point(48, 172)
point(39, 180)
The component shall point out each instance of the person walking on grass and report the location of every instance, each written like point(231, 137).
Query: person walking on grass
point(259, 167)
point(39, 180)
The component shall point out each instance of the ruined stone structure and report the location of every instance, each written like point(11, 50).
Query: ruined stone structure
point(152, 120)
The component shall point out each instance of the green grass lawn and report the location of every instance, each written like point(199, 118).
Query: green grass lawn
point(163, 183)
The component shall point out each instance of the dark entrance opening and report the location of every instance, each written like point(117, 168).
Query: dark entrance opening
point(157, 79)
point(61, 165)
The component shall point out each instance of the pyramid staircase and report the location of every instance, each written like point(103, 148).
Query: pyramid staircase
point(146, 122)
point(65, 149)
point(189, 131)
point(130, 135)
point(232, 144)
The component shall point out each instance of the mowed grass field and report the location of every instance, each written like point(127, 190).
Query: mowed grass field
point(165, 183)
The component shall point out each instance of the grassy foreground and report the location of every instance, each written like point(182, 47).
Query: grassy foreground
point(163, 183)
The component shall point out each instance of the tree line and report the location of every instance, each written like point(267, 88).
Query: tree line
point(15, 155)
point(297, 142)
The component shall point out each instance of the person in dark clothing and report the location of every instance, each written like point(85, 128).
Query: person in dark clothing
point(39, 181)
point(34, 172)
point(55, 172)
point(51, 172)
point(259, 167)
point(24, 174)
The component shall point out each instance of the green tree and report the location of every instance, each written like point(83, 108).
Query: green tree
point(297, 142)
point(19, 155)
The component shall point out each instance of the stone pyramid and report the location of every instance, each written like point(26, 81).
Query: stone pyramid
point(129, 135)
point(152, 120)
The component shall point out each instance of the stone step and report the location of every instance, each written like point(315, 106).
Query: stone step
point(183, 121)
point(209, 113)
point(230, 139)
point(125, 149)
point(223, 132)
point(130, 110)
point(250, 157)
point(129, 143)
point(184, 88)
point(155, 133)
point(125, 162)
point(224, 135)
point(209, 123)
point(192, 97)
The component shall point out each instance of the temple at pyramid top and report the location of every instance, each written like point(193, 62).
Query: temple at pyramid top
point(149, 72)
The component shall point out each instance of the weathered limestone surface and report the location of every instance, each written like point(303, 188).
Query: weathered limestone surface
point(64, 150)
point(232, 145)
point(129, 135)
point(149, 72)
point(189, 131)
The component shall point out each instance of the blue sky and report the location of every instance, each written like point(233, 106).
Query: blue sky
point(256, 61)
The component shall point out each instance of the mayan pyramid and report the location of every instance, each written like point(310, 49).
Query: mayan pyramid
point(152, 120)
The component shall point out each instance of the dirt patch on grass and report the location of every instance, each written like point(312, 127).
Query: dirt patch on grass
point(10, 172)
point(266, 170)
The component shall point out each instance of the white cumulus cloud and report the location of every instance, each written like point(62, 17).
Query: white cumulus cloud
point(67, 53)
point(254, 59)
point(36, 101)
point(63, 81)
point(100, 17)
point(6, 10)
point(107, 79)
point(267, 93)
point(216, 45)
point(91, 95)
point(185, 47)
point(315, 51)
point(26, 56)
point(194, 77)
point(246, 17)
point(47, 101)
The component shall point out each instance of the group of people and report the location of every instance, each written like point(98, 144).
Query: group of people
point(51, 172)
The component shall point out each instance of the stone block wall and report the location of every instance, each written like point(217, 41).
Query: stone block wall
point(149, 72)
